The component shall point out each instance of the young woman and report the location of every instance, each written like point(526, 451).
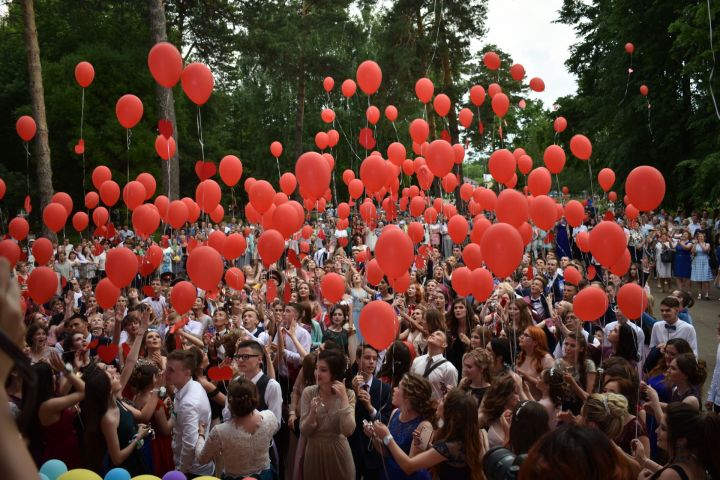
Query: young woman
point(456, 451)
point(682, 261)
point(477, 371)
point(632, 427)
point(76, 351)
point(340, 329)
point(154, 350)
point(502, 396)
point(416, 333)
point(36, 338)
point(700, 271)
point(552, 386)
point(687, 375)
point(328, 418)
point(411, 425)
point(622, 340)
point(396, 363)
point(579, 371)
point(533, 357)
point(519, 317)
point(529, 422)
point(459, 321)
point(663, 263)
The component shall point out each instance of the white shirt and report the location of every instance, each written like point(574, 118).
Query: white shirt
point(292, 356)
point(683, 330)
point(273, 398)
point(158, 305)
point(191, 407)
point(442, 379)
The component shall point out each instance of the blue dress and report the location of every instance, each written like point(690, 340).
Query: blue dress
point(402, 434)
point(682, 262)
point(701, 271)
point(664, 394)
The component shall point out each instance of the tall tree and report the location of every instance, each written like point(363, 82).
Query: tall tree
point(37, 95)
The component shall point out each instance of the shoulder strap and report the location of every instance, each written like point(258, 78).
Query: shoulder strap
point(680, 471)
point(435, 365)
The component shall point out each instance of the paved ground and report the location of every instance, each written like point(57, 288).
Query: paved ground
point(705, 319)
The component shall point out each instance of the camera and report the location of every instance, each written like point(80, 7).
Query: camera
point(502, 464)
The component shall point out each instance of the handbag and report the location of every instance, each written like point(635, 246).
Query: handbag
point(667, 256)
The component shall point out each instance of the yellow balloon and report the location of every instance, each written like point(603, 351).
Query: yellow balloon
point(206, 477)
point(79, 474)
point(146, 477)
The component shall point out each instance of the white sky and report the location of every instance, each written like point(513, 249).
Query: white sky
point(525, 30)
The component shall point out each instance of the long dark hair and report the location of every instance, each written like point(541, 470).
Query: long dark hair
point(530, 421)
point(44, 390)
point(92, 409)
point(397, 362)
point(452, 323)
point(460, 423)
point(626, 346)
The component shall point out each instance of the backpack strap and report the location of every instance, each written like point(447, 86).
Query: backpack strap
point(434, 366)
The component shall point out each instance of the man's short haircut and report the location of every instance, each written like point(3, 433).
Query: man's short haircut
point(671, 302)
point(362, 347)
point(186, 357)
point(253, 345)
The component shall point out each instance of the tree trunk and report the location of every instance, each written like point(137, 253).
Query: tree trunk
point(37, 96)
point(165, 103)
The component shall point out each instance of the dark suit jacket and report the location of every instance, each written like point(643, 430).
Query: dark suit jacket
point(368, 458)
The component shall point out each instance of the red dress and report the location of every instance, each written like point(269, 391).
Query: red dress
point(61, 441)
point(162, 453)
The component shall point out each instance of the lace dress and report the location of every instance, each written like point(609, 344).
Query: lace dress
point(402, 434)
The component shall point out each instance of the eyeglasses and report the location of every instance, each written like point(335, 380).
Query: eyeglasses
point(245, 356)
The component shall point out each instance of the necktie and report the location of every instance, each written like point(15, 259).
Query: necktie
point(428, 366)
point(671, 327)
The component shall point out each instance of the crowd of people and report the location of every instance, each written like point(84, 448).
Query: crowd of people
point(277, 382)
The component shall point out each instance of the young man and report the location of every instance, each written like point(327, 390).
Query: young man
point(441, 374)
point(291, 357)
point(671, 326)
point(537, 301)
point(249, 357)
point(373, 403)
point(190, 408)
point(156, 301)
point(556, 282)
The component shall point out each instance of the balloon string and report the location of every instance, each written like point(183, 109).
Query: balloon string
point(627, 84)
point(592, 188)
point(437, 35)
point(128, 136)
point(277, 160)
point(397, 137)
point(200, 133)
point(649, 109)
point(712, 70)
point(27, 166)
point(82, 121)
point(347, 138)
point(560, 192)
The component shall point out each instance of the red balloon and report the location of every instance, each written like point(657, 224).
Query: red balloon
point(560, 124)
point(502, 248)
point(42, 250)
point(183, 296)
point(327, 115)
point(491, 60)
point(517, 72)
point(313, 174)
point(165, 147)
point(100, 175)
point(80, 221)
point(286, 220)
point(458, 229)
point(632, 300)
point(480, 226)
point(607, 242)
point(84, 74)
point(590, 304)
point(583, 241)
point(332, 287)
point(355, 188)
point(109, 193)
point(424, 89)
point(378, 324)
point(3, 188)
point(543, 212)
point(502, 165)
point(235, 278)
point(270, 246)
point(100, 216)
point(391, 113)
point(19, 228)
point(472, 256)
point(55, 216)
point(165, 63)
point(539, 181)
point(321, 140)
point(63, 199)
point(500, 104)
point(369, 77)
point(121, 266)
point(163, 206)
point(396, 153)
point(525, 164)
point(440, 158)
point(348, 88)
point(622, 266)
point(645, 188)
point(177, 214)
point(481, 282)
point(129, 110)
point(394, 252)
point(449, 182)
point(572, 275)
point(537, 84)
point(134, 194)
point(276, 149)
point(208, 195)
point(372, 173)
point(644, 90)
point(148, 181)
point(218, 214)
point(26, 127)
point(231, 170)
point(441, 104)
point(477, 95)
point(205, 267)
point(146, 220)
point(261, 196)
point(42, 284)
point(581, 147)
point(372, 114)
point(574, 213)
point(288, 182)
point(629, 48)
point(465, 117)
point(554, 158)
point(106, 293)
point(606, 178)
point(461, 281)
point(197, 83)
point(10, 250)
point(419, 130)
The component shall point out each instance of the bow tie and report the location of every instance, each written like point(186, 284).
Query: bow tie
point(671, 327)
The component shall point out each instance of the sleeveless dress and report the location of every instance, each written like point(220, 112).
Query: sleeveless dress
point(134, 464)
point(681, 262)
point(402, 434)
point(700, 271)
point(161, 447)
point(60, 440)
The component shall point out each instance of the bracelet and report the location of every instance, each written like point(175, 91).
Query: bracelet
point(387, 438)
point(214, 393)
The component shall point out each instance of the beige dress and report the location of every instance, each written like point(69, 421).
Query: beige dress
point(327, 453)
